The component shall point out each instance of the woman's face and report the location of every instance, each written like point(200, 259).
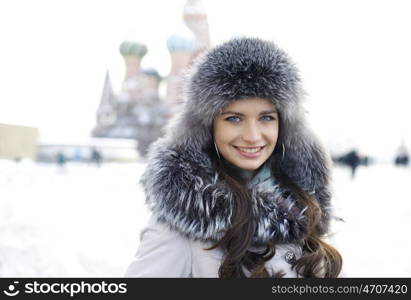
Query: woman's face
point(246, 132)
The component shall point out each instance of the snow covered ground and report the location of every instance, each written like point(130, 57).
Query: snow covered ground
point(84, 221)
point(375, 239)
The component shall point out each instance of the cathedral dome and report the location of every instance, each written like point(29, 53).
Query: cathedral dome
point(133, 48)
point(180, 43)
point(152, 73)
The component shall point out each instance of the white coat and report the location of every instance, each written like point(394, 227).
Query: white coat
point(167, 253)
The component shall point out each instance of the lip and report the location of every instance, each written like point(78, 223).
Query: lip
point(249, 154)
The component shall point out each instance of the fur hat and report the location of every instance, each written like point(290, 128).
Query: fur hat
point(250, 67)
point(180, 163)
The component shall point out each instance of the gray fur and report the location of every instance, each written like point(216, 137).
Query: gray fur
point(181, 185)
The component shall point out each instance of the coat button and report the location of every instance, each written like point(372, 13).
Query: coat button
point(289, 257)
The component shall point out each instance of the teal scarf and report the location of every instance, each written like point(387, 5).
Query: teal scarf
point(262, 177)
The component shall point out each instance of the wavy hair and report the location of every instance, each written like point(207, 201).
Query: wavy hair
point(319, 259)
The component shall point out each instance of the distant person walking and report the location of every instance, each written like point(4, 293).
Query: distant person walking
point(96, 157)
point(402, 159)
point(353, 160)
point(61, 160)
point(77, 154)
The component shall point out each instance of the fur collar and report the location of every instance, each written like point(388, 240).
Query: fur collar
point(185, 192)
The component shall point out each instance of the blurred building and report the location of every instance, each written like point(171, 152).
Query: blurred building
point(111, 150)
point(180, 46)
point(137, 111)
point(185, 44)
point(17, 142)
point(195, 18)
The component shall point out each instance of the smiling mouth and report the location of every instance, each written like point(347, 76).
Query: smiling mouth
point(249, 150)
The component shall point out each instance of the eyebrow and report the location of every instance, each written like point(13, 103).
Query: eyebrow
point(265, 112)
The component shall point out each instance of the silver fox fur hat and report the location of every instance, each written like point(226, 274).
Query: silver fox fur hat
point(182, 187)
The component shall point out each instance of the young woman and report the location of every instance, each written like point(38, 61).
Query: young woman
point(238, 187)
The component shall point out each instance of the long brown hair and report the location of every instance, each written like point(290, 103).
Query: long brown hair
point(319, 259)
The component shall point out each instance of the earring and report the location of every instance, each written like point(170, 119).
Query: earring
point(216, 150)
point(283, 150)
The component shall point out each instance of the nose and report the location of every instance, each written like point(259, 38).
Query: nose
point(251, 133)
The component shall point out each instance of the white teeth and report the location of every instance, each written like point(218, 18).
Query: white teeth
point(250, 150)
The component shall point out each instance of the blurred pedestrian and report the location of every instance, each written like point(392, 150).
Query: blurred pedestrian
point(77, 154)
point(353, 160)
point(61, 160)
point(96, 157)
point(402, 158)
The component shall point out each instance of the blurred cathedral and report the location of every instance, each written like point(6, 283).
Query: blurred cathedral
point(137, 111)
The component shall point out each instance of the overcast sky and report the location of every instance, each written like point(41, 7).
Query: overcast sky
point(354, 58)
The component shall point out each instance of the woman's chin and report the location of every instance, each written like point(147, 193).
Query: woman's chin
point(249, 166)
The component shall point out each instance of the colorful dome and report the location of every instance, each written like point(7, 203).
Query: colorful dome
point(180, 43)
point(133, 48)
point(152, 73)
